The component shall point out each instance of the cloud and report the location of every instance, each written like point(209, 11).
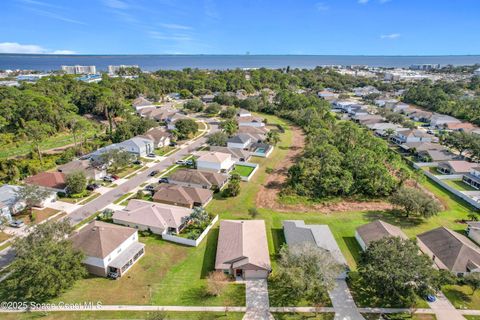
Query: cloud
point(390, 36)
point(175, 26)
point(116, 4)
point(14, 47)
point(321, 6)
point(56, 16)
point(176, 37)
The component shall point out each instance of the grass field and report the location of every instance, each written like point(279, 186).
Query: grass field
point(243, 171)
point(462, 297)
point(459, 185)
point(4, 236)
point(126, 195)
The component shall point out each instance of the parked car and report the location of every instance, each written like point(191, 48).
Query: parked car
point(115, 177)
point(137, 162)
point(163, 180)
point(181, 162)
point(150, 188)
point(16, 223)
point(172, 144)
point(113, 275)
point(153, 173)
point(431, 298)
point(151, 155)
point(92, 186)
point(189, 162)
point(108, 179)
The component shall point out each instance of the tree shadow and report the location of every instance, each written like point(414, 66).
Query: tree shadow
point(395, 217)
point(278, 239)
point(208, 264)
point(353, 247)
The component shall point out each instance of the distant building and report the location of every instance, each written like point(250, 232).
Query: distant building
point(90, 78)
point(31, 77)
point(79, 69)
point(425, 66)
point(477, 72)
point(116, 69)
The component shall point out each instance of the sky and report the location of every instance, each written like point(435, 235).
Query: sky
point(325, 27)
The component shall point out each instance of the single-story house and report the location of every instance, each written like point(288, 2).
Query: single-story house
point(473, 230)
point(257, 133)
point(244, 113)
point(239, 141)
point(250, 121)
point(198, 179)
point(368, 119)
point(455, 167)
point(215, 161)
point(399, 107)
point(297, 232)
point(141, 103)
point(242, 249)
point(412, 135)
point(159, 218)
point(109, 248)
point(138, 146)
point(174, 118)
point(208, 98)
point(187, 197)
point(54, 181)
point(327, 95)
point(450, 250)
point(459, 126)
point(85, 166)
point(415, 147)
point(160, 137)
point(375, 231)
point(440, 120)
point(10, 203)
point(237, 154)
point(160, 114)
point(420, 115)
point(382, 128)
point(473, 177)
point(436, 155)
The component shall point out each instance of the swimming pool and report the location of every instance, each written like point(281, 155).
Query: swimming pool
point(260, 150)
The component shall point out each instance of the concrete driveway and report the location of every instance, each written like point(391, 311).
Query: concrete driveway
point(444, 310)
point(258, 305)
point(343, 303)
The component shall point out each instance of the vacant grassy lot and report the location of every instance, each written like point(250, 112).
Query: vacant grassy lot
point(125, 315)
point(243, 171)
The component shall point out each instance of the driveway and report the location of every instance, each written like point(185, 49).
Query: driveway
point(257, 300)
point(342, 301)
point(444, 310)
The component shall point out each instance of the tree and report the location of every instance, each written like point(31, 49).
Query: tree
point(460, 140)
point(194, 105)
point(253, 212)
point(218, 139)
point(77, 126)
point(392, 270)
point(213, 108)
point(185, 128)
point(473, 281)
point(116, 158)
point(32, 195)
point(76, 182)
point(415, 201)
point(273, 137)
point(304, 271)
point(200, 216)
point(37, 132)
point(228, 113)
point(229, 126)
point(185, 94)
point(233, 187)
point(216, 283)
point(45, 265)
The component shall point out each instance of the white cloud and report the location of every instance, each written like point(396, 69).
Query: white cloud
point(116, 4)
point(390, 36)
point(175, 26)
point(321, 6)
point(176, 37)
point(14, 47)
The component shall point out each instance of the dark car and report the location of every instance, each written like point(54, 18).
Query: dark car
point(172, 144)
point(163, 180)
point(115, 177)
point(153, 173)
point(92, 186)
point(137, 162)
point(16, 223)
point(150, 188)
point(151, 155)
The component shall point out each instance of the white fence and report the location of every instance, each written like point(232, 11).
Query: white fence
point(248, 164)
point(190, 242)
point(449, 188)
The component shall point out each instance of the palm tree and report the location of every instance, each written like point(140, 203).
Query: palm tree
point(273, 137)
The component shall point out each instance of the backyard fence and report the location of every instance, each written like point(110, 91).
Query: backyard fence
point(190, 242)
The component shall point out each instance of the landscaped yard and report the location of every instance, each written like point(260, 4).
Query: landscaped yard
point(462, 297)
point(164, 150)
point(459, 185)
point(127, 170)
point(242, 170)
point(38, 215)
point(77, 198)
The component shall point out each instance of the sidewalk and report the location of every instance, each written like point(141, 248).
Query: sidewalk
point(444, 310)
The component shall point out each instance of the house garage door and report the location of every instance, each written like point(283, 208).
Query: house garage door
point(256, 274)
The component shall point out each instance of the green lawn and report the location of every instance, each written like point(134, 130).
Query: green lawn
point(121, 173)
point(459, 185)
point(84, 315)
point(4, 236)
point(399, 316)
point(164, 150)
point(75, 199)
point(243, 171)
point(126, 195)
point(462, 297)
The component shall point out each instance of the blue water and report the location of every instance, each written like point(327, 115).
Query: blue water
point(178, 62)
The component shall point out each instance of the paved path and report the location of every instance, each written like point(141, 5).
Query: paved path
point(444, 310)
point(343, 303)
point(257, 300)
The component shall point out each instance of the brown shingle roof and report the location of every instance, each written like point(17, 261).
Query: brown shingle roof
point(179, 194)
point(99, 239)
point(54, 180)
point(459, 166)
point(198, 177)
point(454, 250)
point(242, 244)
point(377, 230)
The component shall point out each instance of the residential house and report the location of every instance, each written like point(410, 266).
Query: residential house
point(450, 250)
point(159, 136)
point(365, 91)
point(208, 98)
point(473, 177)
point(382, 129)
point(459, 126)
point(440, 120)
point(455, 167)
point(158, 218)
point(243, 113)
point(236, 153)
point(420, 116)
point(181, 196)
point(10, 203)
point(399, 107)
point(473, 230)
point(86, 166)
point(250, 121)
point(239, 141)
point(54, 181)
point(297, 232)
point(139, 146)
point(259, 134)
point(242, 249)
point(435, 155)
point(328, 95)
point(159, 114)
point(198, 179)
point(412, 135)
point(375, 231)
point(171, 120)
point(368, 119)
point(141, 103)
point(110, 249)
point(415, 147)
point(215, 161)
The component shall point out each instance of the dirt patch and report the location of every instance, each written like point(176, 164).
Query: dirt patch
point(267, 196)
